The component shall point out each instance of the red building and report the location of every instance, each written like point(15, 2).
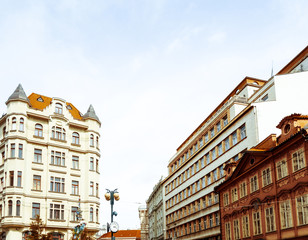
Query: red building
point(265, 194)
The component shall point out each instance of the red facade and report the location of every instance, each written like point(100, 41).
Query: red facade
point(265, 194)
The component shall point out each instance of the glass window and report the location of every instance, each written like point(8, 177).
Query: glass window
point(36, 182)
point(14, 123)
point(38, 155)
point(256, 223)
point(236, 229)
point(220, 149)
point(75, 162)
point(225, 120)
point(243, 132)
point(38, 130)
point(21, 124)
point(227, 144)
point(11, 178)
point(215, 177)
point(285, 214)
point(246, 232)
point(91, 163)
point(35, 210)
point(92, 140)
point(206, 137)
point(234, 196)
point(298, 160)
point(218, 126)
point(91, 188)
point(56, 211)
point(209, 180)
point(75, 138)
point(20, 150)
point(234, 138)
point(91, 215)
point(18, 208)
point(58, 133)
point(266, 175)
point(74, 214)
point(213, 153)
point(58, 158)
point(243, 189)
point(254, 183)
point(270, 219)
point(10, 210)
point(75, 187)
point(226, 199)
point(212, 132)
point(302, 209)
point(221, 171)
point(57, 184)
point(19, 177)
point(59, 108)
point(12, 150)
point(228, 231)
point(207, 156)
point(201, 142)
point(282, 169)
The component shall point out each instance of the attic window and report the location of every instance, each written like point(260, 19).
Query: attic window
point(69, 107)
point(40, 99)
point(286, 128)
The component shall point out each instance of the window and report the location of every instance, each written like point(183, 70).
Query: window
point(266, 177)
point(212, 132)
point(302, 209)
point(207, 156)
point(97, 162)
point(75, 187)
point(74, 216)
point(298, 160)
point(57, 184)
point(254, 183)
point(245, 221)
point(285, 214)
point(59, 108)
point(20, 151)
point(92, 140)
point(75, 138)
point(56, 211)
point(225, 120)
point(243, 132)
point(58, 133)
point(211, 220)
point(243, 189)
point(91, 188)
point(206, 137)
point(97, 142)
point(270, 219)
point(227, 144)
point(91, 215)
point(10, 210)
point(19, 176)
point(11, 178)
point(226, 199)
point(218, 126)
point(75, 161)
point(215, 177)
point(97, 191)
point(234, 196)
point(282, 169)
point(18, 208)
point(58, 158)
point(14, 123)
point(219, 149)
point(213, 153)
point(35, 210)
point(203, 182)
point(96, 215)
point(38, 155)
point(221, 171)
point(12, 150)
point(38, 130)
point(91, 163)
point(228, 231)
point(210, 199)
point(4, 132)
point(36, 182)
point(21, 124)
point(209, 180)
point(234, 138)
point(236, 229)
point(201, 142)
point(216, 218)
point(256, 223)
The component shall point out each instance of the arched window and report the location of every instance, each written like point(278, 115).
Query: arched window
point(14, 123)
point(92, 140)
point(97, 141)
point(38, 130)
point(21, 124)
point(59, 108)
point(91, 215)
point(18, 208)
point(58, 133)
point(97, 220)
point(75, 138)
point(10, 213)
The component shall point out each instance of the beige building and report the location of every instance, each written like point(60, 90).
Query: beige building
point(155, 206)
point(249, 113)
point(49, 166)
point(144, 223)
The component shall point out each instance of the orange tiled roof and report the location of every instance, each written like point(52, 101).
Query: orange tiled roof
point(41, 105)
point(123, 233)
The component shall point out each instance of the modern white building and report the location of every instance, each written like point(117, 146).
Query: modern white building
point(156, 216)
point(49, 166)
point(246, 116)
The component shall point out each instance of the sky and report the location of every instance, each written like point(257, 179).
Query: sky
point(152, 69)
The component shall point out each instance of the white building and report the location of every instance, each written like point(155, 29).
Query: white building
point(49, 166)
point(156, 216)
point(249, 113)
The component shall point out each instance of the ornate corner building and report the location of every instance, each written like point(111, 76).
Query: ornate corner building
point(49, 166)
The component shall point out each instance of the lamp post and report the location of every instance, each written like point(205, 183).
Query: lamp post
point(111, 196)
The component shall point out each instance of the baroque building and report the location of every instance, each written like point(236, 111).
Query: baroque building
point(246, 115)
point(49, 166)
point(265, 193)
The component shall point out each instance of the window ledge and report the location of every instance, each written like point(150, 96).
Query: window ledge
point(76, 169)
point(59, 140)
point(40, 163)
point(56, 220)
point(35, 190)
point(76, 195)
point(57, 192)
point(55, 165)
point(75, 145)
point(39, 137)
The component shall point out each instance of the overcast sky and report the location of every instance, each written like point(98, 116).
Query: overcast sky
point(153, 70)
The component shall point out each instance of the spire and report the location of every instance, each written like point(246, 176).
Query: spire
point(19, 95)
point(91, 114)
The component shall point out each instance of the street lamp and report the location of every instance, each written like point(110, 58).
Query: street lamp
point(111, 196)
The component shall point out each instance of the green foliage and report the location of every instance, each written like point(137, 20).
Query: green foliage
point(36, 228)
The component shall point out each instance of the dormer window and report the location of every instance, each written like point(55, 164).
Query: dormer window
point(59, 108)
point(286, 128)
point(40, 99)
